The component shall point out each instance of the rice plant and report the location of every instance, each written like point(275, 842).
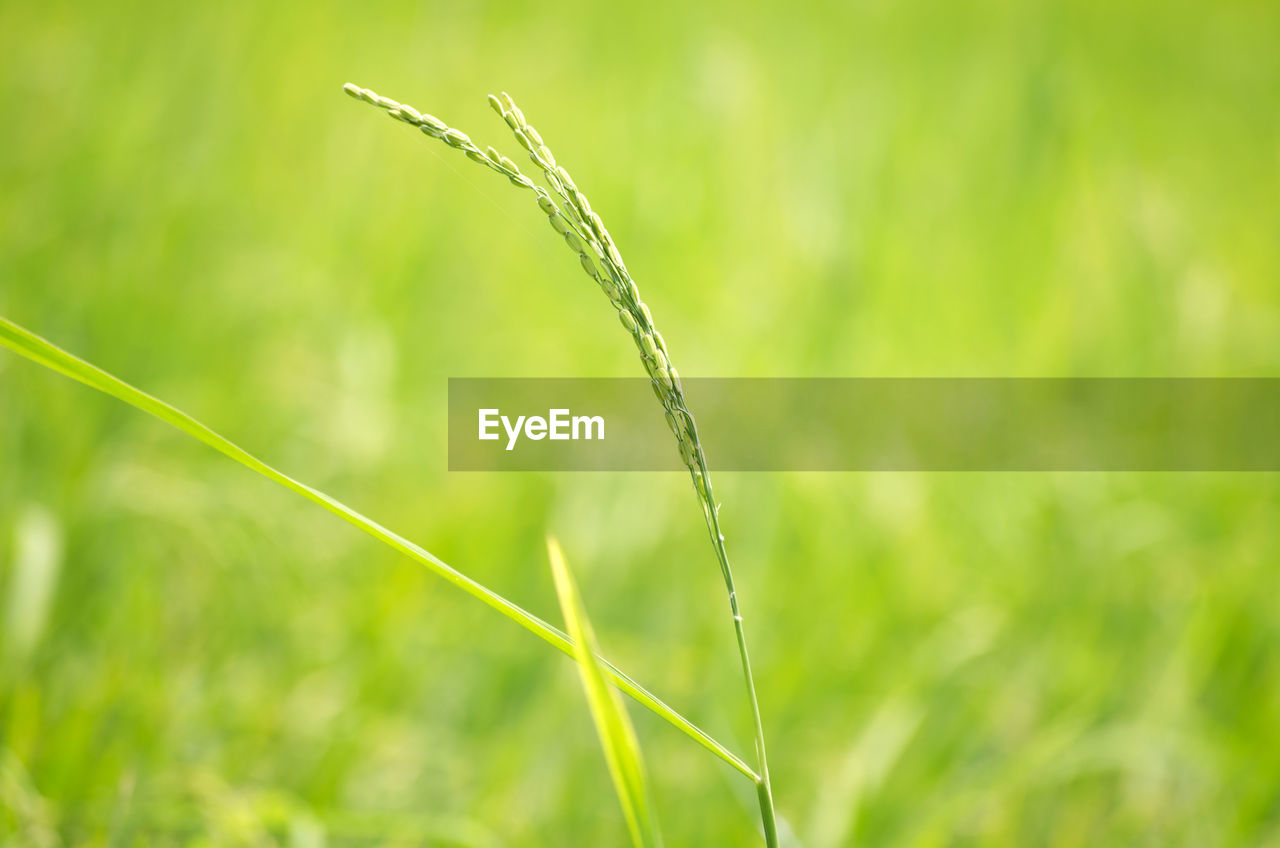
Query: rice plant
point(570, 214)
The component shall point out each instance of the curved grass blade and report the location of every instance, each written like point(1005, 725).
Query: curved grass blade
point(37, 349)
point(617, 736)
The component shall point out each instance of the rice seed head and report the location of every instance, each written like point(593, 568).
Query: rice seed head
point(408, 114)
point(585, 234)
point(610, 291)
point(686, 452)
point(456, 138)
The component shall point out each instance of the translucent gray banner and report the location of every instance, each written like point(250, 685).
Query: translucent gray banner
point(944, 424)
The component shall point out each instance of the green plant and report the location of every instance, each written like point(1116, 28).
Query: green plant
point(582, 229)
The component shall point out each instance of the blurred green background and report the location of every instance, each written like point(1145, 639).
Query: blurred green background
point(193, 656)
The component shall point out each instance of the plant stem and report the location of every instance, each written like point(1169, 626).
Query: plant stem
point(764, 789)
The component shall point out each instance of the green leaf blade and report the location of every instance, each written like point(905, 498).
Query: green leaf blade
point(45, 353)
point(613, 726)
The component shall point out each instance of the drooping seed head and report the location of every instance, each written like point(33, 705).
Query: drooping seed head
point(596, 224)
point(664, 369)
point(686, 453)
point(553, 181)
point(456, 138)
point(408, 114)
point(433, 126)
point(585, 233)
point(612, 252)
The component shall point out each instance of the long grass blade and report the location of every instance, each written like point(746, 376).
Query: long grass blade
point(37, 349)
point(617, 736)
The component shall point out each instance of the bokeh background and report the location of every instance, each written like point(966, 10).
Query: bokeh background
point(194, 656)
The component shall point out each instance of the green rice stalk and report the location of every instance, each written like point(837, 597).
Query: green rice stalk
point(585, 233)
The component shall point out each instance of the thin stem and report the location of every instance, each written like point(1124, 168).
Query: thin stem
point(764, 789)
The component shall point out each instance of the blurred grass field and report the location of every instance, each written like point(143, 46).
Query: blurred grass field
point(191, 656)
